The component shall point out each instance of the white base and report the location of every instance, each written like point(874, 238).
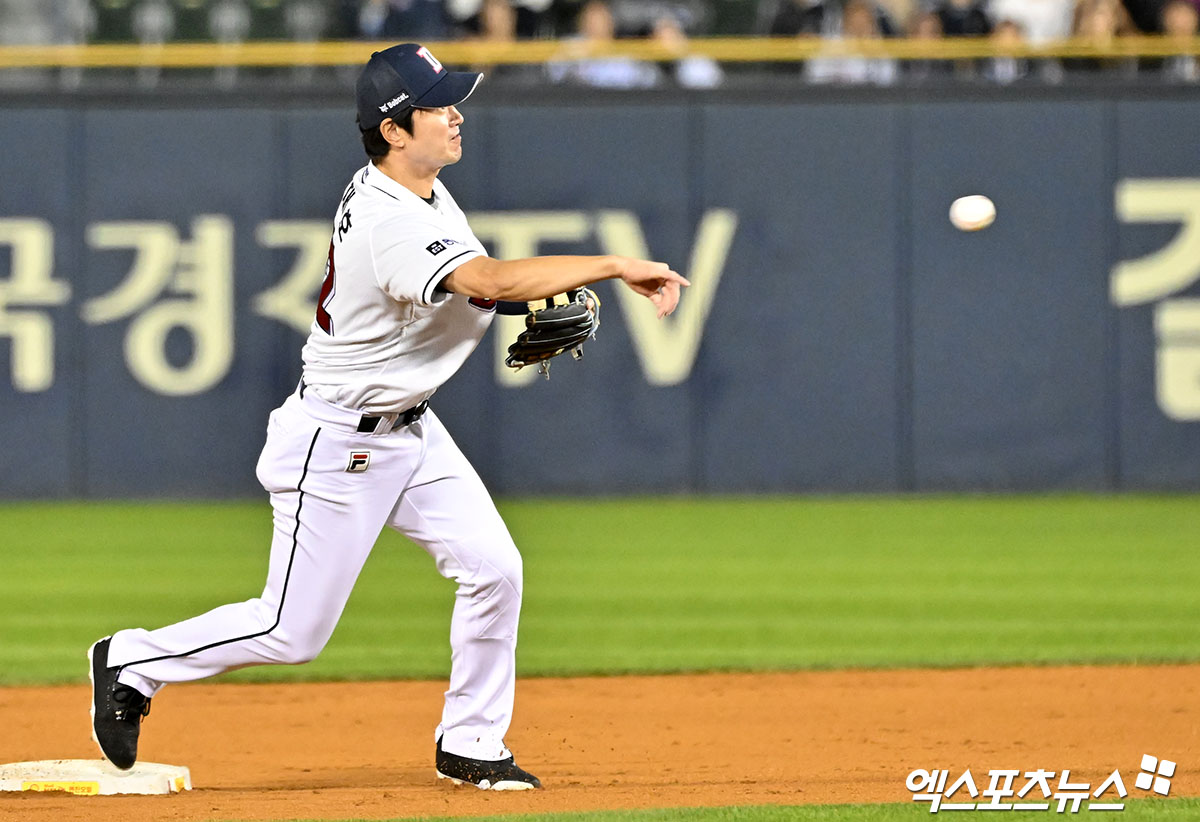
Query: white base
point(94, 777)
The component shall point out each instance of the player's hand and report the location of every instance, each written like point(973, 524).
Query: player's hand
point(655, 281)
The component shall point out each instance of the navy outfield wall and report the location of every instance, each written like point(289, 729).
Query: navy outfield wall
point(159, 264)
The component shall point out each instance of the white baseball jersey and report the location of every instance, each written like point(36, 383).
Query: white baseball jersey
point(385, 338)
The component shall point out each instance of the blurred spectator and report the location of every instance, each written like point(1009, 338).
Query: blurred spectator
point(926, 26)
point(689, 71)
point(1099, 22)
point(25, 23)
point(306, 21)
point(497, 23)
point(28, 23)
point(532, 18)
point(639, 17)
point(229, 21)
point(535, 17)
point(860, 21)
point(466, 12)
point(823, 18)
point(963, 18)
point(154, 22)
point(596, 30)
point(1180, 21)
point(398, 20)
point(1039, 20)
point(467, 16)
point(1006, 70)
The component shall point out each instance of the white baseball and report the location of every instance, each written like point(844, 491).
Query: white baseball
point(972, 213)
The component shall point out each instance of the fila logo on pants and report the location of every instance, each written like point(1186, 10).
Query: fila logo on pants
point(359, 460)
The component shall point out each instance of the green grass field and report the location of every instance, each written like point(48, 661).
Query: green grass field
point(656, 585)
point(661, 585)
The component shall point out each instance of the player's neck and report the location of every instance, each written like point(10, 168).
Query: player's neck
point(417, 180)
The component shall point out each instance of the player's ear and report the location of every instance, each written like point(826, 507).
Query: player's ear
point(393, 133)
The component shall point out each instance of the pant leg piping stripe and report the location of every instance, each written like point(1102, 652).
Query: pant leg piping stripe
point(286, 579)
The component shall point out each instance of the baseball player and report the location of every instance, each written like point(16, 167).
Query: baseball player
point(408, 293)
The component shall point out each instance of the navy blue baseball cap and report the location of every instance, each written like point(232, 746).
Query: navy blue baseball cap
point(408, 76)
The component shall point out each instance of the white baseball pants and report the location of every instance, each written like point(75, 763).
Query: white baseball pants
point(327, 519)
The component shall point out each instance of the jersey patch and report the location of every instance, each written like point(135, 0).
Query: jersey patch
point(359, 460)
point(435, 248)
point(482, 304)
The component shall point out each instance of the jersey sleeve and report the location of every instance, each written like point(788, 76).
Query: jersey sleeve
point(413, 256)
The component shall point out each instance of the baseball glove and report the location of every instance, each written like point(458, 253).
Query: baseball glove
point(555, 326)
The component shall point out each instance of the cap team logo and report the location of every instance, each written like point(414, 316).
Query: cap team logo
point(424, 54)
point(359, 460)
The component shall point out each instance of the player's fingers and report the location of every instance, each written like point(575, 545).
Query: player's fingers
point(670, 298)
point(676, 277)
point(665, 299)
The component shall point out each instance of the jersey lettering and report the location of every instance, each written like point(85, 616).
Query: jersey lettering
point(324, 321)
point(344, 222)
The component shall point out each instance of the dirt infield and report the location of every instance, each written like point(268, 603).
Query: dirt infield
point(364, 750)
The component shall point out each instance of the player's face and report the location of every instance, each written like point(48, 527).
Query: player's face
point(436, 141)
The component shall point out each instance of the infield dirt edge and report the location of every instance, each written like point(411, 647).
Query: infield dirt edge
point(364, 750)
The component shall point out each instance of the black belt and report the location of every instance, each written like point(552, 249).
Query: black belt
point(370, 422)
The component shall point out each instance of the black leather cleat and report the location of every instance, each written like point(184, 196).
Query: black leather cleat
point(488, 775)
point(117, 709)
